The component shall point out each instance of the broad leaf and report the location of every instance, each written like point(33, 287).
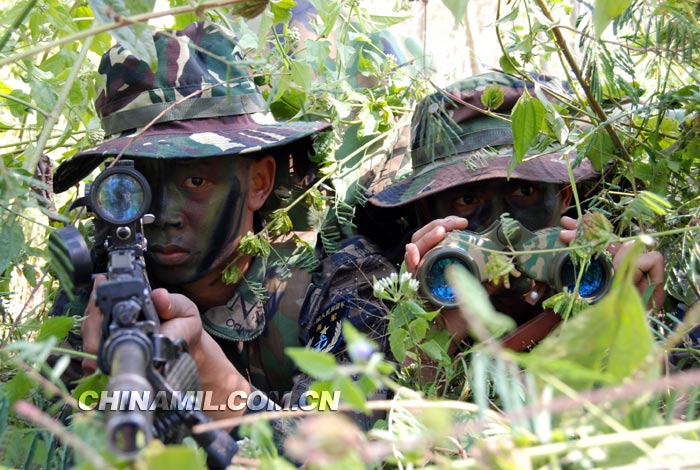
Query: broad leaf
point(607, 343)
point(172, 457)
point(458, 8)
point(600, 149)
point(607, 10)
point(11, 242)
point(474, 298)
point(350, 392)
point(17, 387)
point(527, 120)
point(58, 327)
point(319, 365)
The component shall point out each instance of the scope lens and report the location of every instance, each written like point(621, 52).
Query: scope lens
point(120, 198)
point(592, 281)
point(437, 281)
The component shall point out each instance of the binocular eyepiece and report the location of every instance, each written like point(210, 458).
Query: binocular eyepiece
point(533, 258)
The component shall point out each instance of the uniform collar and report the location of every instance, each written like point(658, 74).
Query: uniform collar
point(242, 318)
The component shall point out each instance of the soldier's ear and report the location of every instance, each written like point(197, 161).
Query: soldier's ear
point(262, 179)
point(566, 194)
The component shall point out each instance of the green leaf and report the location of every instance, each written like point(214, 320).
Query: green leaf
point(282, 10)
point(508, 64)
point(397, 342)
point(433, 350)
point(382, 22)
point(474, 298)
point(249, 8)
point(57, 327)
point(527, 120)
point(607, 10)
point(607, 343)
point(157, 456)
point(349, 392)
point(600, 150)
point(493, 96)
point(319, 365)
point(96, 382)
point(12, 241)
point(458, 8)
point(554, 118)
point(137, 37)
point(18, 387)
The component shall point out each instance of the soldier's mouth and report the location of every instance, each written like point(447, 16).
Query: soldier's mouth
point(169, 255)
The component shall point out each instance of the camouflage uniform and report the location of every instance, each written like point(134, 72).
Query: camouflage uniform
point(254, 333)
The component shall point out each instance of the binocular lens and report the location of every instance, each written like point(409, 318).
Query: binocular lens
point(120, 197)
point(437, 282)
point(593, 281)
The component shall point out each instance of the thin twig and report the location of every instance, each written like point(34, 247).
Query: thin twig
point(597, 108)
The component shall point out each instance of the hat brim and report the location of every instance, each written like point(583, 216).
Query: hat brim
point(195, 138)
point(463, 169)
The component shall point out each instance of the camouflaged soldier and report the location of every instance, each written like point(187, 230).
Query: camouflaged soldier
point(198, 130)
point(460, 180)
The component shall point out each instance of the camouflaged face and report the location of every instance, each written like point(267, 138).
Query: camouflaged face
point(453, 142)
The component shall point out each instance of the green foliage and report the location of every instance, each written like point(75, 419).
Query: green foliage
point(633, 115)
point(474, 300)
point(527, 118)
point(607, 343)
point(607, 10)
point(137, 36)
point(56, 327)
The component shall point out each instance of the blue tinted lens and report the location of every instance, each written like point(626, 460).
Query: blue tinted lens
point(120, 197)
point(592, 282)
point(437, 282)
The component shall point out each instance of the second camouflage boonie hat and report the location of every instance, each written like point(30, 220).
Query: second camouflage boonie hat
point(200, 102)
point(478, 147)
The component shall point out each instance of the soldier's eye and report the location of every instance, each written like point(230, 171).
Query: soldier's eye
point(466, 200)
point(194, 182)
point(524, 190)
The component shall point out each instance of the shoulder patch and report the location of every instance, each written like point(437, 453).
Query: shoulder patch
point(326, 332)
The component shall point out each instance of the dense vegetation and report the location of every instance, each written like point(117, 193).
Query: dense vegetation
point(604, 392)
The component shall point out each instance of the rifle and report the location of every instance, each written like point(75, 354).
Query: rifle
point(141, 362)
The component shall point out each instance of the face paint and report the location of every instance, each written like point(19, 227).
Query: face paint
point(535, 205)
point(200, 210)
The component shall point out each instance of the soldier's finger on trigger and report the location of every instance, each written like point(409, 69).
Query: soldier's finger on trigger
point(90, 330)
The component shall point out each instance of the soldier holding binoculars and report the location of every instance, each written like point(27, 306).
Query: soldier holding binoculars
point(460, 181)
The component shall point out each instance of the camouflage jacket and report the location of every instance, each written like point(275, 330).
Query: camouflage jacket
point(302, 310)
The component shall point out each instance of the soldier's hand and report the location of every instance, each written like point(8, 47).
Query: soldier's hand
point(180, 319)
point(90, 329)
point(427, 237)
point(650, 265)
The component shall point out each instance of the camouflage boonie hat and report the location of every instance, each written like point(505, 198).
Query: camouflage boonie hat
point(201, 102)
point(477, 148)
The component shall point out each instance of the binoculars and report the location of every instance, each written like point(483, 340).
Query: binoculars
point(534, 257)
